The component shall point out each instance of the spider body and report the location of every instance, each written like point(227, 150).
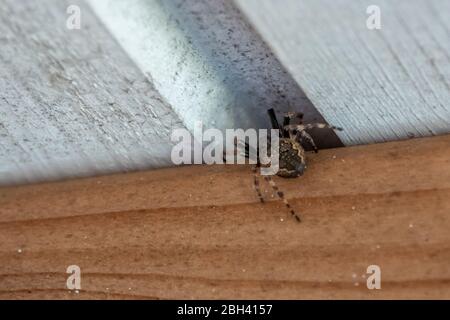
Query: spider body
point(292, 159)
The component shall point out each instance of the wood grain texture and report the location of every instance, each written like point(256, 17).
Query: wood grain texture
point(200, 231)
point(379, 85)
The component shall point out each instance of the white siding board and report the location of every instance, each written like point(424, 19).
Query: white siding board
point(96, 100)
point(379, 85)
point(206, 60)
point(72, 103)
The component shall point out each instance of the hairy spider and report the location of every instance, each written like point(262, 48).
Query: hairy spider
point(292, 159)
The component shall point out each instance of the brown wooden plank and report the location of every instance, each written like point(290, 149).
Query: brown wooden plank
point(200, 232)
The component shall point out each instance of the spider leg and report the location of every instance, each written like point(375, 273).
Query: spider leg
point(280, 194)
point(291, 115)
point(240, 148)
point(287, 121)
point(306, 136)
point(273, 119)
point(302, 127)
point(256, 184)
point(292, 135)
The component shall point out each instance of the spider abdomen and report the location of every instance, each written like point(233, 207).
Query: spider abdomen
point(292, 159)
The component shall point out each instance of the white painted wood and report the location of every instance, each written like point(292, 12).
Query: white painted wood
point(74, 103)
point(79, 103)
point(378, 85)
point(207, 62)
point(71, 102)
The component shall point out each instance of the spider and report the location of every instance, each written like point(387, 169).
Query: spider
point(292, 159)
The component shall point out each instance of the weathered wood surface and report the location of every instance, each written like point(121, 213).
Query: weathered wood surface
point(207, 61)
point(73, 103)
point(379, 85)
point(79, 103)
point(200, 232)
